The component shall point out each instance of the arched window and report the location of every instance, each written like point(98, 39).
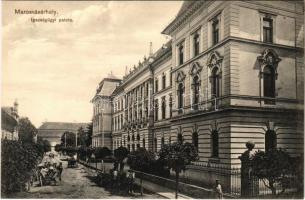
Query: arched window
point(215, 82)
point(269, 83)
point(163, 107)
point(169, 140)
point(180, 97)
point(195, 87)
point(128, 138)
point(143, 141)
point(156, 144)
point(180, 138)
point(138, 137)
point(133, 147)
point(195, 140)
point(132, 137)
point(270, 140)
point(215, 143)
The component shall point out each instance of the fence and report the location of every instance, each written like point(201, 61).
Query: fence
point(199, 179)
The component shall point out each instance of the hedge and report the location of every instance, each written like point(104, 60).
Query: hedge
point(17, 162)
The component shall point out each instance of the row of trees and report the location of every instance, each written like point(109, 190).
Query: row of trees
point(19, 158)
point(84, 137)
point(174, 156)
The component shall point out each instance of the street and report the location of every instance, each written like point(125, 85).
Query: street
point(76, 183)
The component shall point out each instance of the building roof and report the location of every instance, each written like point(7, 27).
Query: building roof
point(165, 48)
point(9, 110)
point(184, 7)
point(8, 121)
point(62, 126)
point(188, 8)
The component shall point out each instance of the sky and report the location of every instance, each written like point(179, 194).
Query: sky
point(53, 69)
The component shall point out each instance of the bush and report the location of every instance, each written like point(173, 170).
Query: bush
point(120, 154)
point(17, 162)
point(102, 152)
point(273, 167)
point(145, 161)
point(141, 160)
point(70, 151)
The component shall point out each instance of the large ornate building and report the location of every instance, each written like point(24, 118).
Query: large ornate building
point(232, 72)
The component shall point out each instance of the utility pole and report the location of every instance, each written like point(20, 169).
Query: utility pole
point(65, 139)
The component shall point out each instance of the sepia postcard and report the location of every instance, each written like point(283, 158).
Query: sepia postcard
point(152, 99)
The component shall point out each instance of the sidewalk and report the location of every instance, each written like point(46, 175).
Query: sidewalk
point(162, 191)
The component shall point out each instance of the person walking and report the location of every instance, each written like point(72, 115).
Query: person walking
point(130, 178)
point(218, 190)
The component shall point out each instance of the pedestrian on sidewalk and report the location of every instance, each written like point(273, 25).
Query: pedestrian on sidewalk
point(130, 179)
point(218, 190)
point(115, 181)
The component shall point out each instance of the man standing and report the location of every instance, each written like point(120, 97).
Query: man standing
point(218, 190)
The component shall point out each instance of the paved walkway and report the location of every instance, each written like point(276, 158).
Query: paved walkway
point(160, 190)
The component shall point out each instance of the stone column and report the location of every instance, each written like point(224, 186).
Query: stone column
point(249, 183)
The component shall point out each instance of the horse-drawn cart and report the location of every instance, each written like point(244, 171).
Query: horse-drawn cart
point(72, 163)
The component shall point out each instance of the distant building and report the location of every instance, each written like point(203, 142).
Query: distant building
point(52, 131)
point(9, 122)
point(102, 111)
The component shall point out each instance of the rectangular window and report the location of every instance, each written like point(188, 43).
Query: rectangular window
point(170, 105)
point(163, 107)
point(163, 82)
point(196, 43)
point(215, 31)
point(156, 85)
point(181, 53)
point(267, 30)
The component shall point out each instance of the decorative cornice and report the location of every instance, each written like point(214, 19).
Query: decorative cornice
point(182, 18)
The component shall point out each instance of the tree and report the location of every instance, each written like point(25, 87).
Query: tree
point(102, 152)
point(272, 167)
point(58, 147)
point(89, 133)
point(44, 145)
point(26, 130)
point(68, 139)
point(18, 159)
point(141, 160)
point(82, 137)
point(120, 154)
point(177, 156)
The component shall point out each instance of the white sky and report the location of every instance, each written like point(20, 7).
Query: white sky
point(54, 69)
